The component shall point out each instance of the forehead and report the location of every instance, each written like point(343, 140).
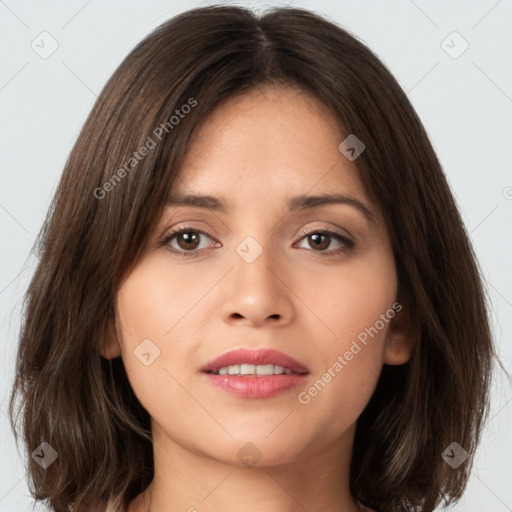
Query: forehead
point(270, 142)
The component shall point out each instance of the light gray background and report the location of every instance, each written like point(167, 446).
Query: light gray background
point(465, 104)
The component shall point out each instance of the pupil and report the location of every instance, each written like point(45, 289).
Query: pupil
point(188, 237)
point(320, 245)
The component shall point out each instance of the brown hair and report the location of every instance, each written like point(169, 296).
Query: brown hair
point(110, 196)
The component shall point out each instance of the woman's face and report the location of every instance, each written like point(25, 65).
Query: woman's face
point(263, 276)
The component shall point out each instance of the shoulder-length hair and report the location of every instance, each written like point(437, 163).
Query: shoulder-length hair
point(113, 190)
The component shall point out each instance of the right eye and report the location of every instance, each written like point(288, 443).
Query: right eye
point(187, 239)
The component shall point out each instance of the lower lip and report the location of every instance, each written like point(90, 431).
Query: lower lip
point(256, 387)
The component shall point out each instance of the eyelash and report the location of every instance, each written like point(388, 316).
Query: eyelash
point(349, 244)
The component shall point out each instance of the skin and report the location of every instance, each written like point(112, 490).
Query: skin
point(256, 151)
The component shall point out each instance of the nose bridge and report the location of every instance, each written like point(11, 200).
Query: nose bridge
point(254, 259)
point(255, 234)
point(260, 249)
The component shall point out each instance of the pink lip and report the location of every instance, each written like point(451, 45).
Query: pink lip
point(264, 386)
point(256, 387)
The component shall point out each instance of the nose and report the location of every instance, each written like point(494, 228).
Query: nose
point(256, 292)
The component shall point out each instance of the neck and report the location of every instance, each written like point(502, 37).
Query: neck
point(188, 481)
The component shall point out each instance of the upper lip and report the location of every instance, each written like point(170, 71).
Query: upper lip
point(259, 356)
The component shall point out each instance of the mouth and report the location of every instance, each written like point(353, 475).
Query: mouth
point(259, 373)
point(244, 361)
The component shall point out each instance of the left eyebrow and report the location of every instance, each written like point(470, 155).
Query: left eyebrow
point(297, 203)
point(303, 202)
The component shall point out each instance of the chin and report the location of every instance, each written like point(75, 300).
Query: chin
point(262, 451)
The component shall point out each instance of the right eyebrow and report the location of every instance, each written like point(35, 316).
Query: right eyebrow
point(198, 201)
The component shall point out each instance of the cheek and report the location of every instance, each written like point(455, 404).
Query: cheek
point(159, 326)
point(156, 303)
point(350, 299)
point(148, 316)
point(357, 307)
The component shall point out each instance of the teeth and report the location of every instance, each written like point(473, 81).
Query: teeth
point(234, 370)
point(254, 369)
point(247, 369)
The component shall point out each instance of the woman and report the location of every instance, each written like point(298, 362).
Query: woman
point(255, 289)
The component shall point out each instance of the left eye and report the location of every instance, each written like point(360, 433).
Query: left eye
point(188, 241)
point(322, 239)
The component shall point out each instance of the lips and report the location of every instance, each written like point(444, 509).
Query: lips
point(255, 357)
point(290, 376)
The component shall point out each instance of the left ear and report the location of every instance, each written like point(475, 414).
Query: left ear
point(399, 339)
point(110, 347)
